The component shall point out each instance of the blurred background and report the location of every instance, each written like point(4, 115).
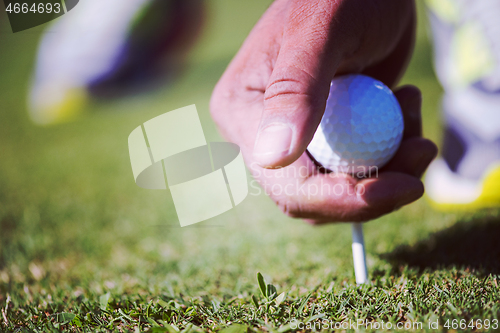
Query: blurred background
point(72, 216)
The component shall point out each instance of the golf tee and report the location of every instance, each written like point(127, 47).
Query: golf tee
point(358, 253)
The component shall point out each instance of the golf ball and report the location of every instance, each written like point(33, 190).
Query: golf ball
point(361, 128)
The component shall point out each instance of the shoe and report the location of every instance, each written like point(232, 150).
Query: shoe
point(467, 63)
point(467, 176)
point(111, 49)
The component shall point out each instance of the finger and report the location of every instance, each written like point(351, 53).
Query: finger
point(389, 191)
point(302, 192)
point(375, 197)
point(413, 157)
point(318, 36)
point(410, 100)
point(296, 94)
point(390, 70)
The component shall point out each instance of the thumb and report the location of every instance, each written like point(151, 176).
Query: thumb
point(295, 97)
point(318, 37)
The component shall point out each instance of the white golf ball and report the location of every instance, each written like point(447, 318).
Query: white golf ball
point(361, 129)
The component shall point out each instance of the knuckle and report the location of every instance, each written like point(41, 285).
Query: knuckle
point(222, 97)
point(290, 208)
point(290, 80)
point(214, 102)
point(285, 86)
point(216, 109)
point(315, 222)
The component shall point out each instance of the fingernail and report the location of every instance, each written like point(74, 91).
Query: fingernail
point(410, 197)
point(413, 104)
point(273, 142)
point(424, 162)
point(410, 96)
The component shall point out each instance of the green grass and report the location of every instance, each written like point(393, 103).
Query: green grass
point(84, 249)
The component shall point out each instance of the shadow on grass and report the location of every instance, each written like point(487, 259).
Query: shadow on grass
point(474, 244)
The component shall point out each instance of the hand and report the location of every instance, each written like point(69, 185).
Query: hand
point(272, 96)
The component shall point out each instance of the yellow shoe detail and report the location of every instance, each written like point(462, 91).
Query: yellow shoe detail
point(472, 57)
point(446, 10)
point(48, 110)
point(490, 195)
point(488, 189)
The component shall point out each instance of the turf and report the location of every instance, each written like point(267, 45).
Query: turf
point(84, 249)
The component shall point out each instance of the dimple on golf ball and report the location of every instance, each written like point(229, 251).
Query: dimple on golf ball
point(361, 129)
